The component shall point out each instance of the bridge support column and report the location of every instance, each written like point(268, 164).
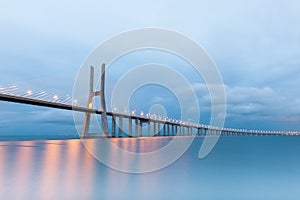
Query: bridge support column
point(136, 131)
point(113, 126)
point(164, 129)
point(154, 128)
point(149, 128)
point(130, 127)
point(141, 129)
point(173, 130)
point(120, 126)
point(158, 129)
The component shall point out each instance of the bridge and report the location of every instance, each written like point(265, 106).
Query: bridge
point(161, 126)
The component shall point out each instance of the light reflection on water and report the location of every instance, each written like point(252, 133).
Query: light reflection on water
point(45, 170)
point(238, 168)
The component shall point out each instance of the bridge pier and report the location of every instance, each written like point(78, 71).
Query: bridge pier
point(141, 128)
point(136, 131)
point(149, 128)
point(113, 126)
point(120, 126)
point(130, 127)
point(189, 131)
point(158, 129)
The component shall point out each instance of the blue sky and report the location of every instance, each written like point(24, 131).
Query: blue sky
point(255, 45)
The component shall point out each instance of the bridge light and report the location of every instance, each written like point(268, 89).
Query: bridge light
point(75, 101)
point(142, 113)
point(55, 97)
point(90, 106)
point(29, 92)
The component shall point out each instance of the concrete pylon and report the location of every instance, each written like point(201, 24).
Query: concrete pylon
point(101, 93)
point(102, 101)
point(87, 117)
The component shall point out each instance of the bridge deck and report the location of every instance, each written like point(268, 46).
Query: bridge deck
point(208, 130)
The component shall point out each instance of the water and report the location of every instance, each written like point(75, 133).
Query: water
point(247, 167)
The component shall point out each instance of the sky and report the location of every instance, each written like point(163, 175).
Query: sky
point(254, 44)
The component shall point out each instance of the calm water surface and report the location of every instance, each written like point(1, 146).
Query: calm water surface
point(249, 167)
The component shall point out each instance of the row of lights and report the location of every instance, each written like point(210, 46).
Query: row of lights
point(163, 118)
point(29, 92)
point(148, 115)
point(55, 97)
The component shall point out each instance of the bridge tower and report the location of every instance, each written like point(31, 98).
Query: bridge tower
point(92, 94)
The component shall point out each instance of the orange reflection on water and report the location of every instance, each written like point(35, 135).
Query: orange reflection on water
point(3, 168)
point(50, 169)
point(49, 174)
point(74, 171)
point(88, 172)
point(139, 145)
point(23, 171)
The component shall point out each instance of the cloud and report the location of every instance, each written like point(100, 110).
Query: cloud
point(255, 103)
point(161, 100)
point(24, 119)
point(51, 116)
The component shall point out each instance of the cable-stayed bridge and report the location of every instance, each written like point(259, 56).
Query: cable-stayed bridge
point(160, 125)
